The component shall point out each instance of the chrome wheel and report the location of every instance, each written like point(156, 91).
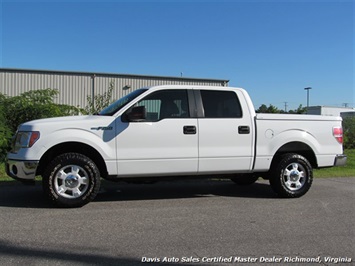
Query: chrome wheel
point(291, 175)
point(71, 181)
point(294, 176)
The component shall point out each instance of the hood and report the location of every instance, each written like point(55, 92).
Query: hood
point(78, 122)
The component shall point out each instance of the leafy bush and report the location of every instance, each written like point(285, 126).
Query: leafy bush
point(28, 106)
point(349, 132)
point(33, 105)
point(37, 104)
point(100, 101)
point(5, 133)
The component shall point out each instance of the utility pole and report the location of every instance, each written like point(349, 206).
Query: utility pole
point(307, 89)
point(285, 107)
point(93, 92)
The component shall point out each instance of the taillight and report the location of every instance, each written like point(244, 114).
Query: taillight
point(338, 134)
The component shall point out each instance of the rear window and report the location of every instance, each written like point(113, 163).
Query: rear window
point(221, 104)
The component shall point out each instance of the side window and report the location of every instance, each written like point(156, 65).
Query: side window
point(221, 104)
point(166, 104)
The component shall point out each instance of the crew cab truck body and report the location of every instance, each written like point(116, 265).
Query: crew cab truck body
point(178, 131)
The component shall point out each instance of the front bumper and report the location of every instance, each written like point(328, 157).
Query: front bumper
point(340, 160)
point(21, 170)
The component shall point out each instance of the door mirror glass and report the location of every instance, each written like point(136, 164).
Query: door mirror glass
point(137, 114)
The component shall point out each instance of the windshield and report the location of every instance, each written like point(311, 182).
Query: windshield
point(117, 105)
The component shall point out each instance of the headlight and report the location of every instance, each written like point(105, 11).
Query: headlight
point(24, 139)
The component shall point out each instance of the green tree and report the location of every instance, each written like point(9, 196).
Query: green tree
point(349, 132)
point(271, 109)
point(35, 104)
point(274, 110)
point(28, 106)
point(299, 110)
point(100, 101)
point(5, 132)
point(262, 109)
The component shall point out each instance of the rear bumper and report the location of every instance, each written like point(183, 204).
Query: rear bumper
point(340, 160)
point(21, 170)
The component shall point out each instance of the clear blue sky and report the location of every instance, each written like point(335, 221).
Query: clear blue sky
point(274, 49)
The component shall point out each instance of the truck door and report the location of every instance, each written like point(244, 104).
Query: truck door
point(225, 133)
point(164, 142)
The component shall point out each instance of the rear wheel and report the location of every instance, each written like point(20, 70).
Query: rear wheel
point(71, 180)
point(292, 176)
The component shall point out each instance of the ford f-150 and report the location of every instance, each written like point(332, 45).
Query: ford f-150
point(174, 131)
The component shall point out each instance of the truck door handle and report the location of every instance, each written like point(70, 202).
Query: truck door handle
point(244, 130)
point(189, 130)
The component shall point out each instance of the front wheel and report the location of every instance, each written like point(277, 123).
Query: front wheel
point(292, 177)
point(71, 180)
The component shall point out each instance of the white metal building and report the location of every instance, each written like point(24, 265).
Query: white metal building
point(74, 87)
point(329, 110)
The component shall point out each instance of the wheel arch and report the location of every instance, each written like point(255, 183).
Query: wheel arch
point(76, 147)
point(296, 147)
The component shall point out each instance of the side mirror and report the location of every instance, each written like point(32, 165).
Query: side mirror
point(137, 114)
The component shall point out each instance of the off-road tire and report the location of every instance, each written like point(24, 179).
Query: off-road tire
point(291, 176)
point(71, 180)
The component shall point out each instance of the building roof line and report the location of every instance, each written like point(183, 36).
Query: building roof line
point(329, 106)
point(85, 73)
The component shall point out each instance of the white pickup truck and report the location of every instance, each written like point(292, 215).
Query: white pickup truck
point(174, 131)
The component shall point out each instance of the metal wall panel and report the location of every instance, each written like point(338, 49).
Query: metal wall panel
point(74, 87)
